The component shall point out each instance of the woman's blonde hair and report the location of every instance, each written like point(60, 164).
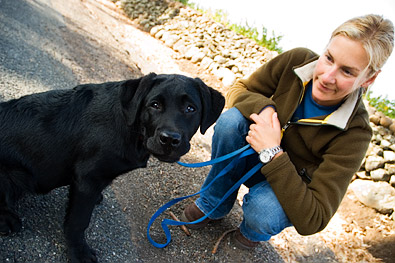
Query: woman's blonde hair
point(376, 35)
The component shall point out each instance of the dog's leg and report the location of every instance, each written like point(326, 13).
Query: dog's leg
point(99, 199)
point(9, 221)
point(9, 193)
point(83, 197)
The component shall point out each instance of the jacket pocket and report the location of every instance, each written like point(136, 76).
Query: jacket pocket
point(305, 177)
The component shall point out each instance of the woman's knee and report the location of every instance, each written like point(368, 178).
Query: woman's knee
point(232, 123)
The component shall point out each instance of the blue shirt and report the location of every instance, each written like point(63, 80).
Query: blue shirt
point(308, 108)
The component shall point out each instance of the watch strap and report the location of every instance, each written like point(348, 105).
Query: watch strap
point(274, 150)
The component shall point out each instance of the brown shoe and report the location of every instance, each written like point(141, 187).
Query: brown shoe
point(193, 213)
point(241, 241)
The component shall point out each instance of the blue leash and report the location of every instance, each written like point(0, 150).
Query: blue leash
point(242, 152)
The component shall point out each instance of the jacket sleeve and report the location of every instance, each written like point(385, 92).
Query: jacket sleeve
point(251, 95)
point(310, 206)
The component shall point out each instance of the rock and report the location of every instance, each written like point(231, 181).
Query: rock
point(389, 137)
point(226, 75)
point(206, 62)
point(375, 119)
point(235, 69)
point(363, 175)
point(385, 121)
point(155, 30)
point(385, 144)
point(390, 168)
point(171, 40)
point(374, 150)
point(220, 59)
point(229, 78)
point(378, 195)
point(392, 181)
point(373, 163)
point(181, 46)
point(380, 175)
point(213, 67)
point(192, 52)
point(392, 127)
point(383, 131)
point(377, 138)
point(198, 57)
point(159, 34)
point(380, 114)
point(389, 156)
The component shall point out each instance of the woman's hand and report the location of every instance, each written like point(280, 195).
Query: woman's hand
point(266, 131)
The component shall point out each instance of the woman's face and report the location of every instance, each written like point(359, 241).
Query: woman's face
point(337, 70)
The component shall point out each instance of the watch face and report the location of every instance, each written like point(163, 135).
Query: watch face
point(265, 156)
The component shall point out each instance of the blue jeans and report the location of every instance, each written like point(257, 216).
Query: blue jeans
point(263, 215)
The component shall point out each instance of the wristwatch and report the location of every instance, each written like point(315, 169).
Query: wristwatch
point(266, 155)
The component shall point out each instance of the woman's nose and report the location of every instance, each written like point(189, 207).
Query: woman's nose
point(329, 76)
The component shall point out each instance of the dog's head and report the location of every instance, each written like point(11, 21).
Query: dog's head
point(168, 109)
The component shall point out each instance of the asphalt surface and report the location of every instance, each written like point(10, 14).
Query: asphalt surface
point(36, 55)
point(25, 43)
point(58, 44)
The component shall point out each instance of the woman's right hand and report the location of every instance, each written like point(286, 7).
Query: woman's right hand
point(266, 131)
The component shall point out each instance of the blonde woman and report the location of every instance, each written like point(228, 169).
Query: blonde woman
point(303, 115)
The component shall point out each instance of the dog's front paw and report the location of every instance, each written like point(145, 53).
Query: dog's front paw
point(83, 255)
point(9, 222)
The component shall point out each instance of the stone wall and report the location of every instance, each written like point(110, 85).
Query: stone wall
point(230, 56)
point(196, 37)
point(374, 183)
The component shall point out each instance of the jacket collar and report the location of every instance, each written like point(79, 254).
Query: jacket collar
point(343, 114)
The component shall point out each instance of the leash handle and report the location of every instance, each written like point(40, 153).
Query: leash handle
point(166, 222)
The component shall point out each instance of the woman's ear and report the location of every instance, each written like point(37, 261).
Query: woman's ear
point(370, 80)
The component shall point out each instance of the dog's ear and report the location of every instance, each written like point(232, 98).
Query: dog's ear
point(132, 95)
point(212, 101)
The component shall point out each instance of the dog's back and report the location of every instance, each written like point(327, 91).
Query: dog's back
point(46, 133)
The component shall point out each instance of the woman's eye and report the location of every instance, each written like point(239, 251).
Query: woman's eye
point(190, 109)
point(348, 72)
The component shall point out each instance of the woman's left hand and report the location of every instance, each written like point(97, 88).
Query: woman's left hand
point(265, 132)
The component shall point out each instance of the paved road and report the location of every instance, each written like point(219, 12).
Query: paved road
point(29, 33)
point(56, 44)
point(42, 49)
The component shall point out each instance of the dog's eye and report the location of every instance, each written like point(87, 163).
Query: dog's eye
point(190, 109)
point(155, 105)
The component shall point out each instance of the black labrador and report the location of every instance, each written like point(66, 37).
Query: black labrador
point(87, 136)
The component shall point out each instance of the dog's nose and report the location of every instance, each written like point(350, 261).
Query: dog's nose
point(170, 138)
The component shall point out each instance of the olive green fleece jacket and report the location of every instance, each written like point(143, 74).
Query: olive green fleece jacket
point(321, 154)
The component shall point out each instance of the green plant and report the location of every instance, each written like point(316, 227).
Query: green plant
point(261, 39)
point(382, 104)
point(250, 32)
point(185, 2)
point(220, 16)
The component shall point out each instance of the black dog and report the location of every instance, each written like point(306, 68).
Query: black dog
point(87, 136)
